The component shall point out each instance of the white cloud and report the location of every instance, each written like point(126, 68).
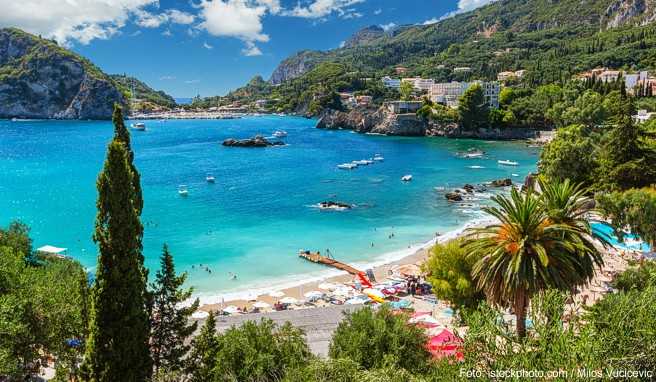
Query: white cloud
point(66, 21)
point(167, 33)
point(351, 14)
point(192, 81)
point(321, 8)
point(342, 44)
point(463, 6)
point(207, 46)
point(251, 50)
point(152, 20)
point(378, 11)
point(431, 21)
point(167, 78)
point(388, 26)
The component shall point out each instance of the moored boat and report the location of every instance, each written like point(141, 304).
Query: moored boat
point(347, 166)
point(182, 190)
point(280, 134)
point(139, 126)
point(210, 178)
point(406, 178)
point(508, 163)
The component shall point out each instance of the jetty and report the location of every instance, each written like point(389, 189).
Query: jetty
point(329, 261)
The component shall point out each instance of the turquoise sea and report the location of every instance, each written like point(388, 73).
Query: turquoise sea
point(260, 212)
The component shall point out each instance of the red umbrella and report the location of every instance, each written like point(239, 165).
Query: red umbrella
point(445, 344)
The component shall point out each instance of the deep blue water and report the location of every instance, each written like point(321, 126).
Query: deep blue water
point(259, 213)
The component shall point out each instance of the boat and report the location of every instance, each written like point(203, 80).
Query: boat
point(139, 126)
point(406, 178)
point(347, 166)
point(182, 190)
point(210, 178)
point(362, 162)
point(378, 158)
point(514, 174)
point(280, 134)
point(508, 163)
point(473, 153)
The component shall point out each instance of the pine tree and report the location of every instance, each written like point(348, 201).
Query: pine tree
point(203, 352)
point(169, 322)
point(122, 134)
point(117, 346)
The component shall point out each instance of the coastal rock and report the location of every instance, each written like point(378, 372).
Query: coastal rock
point(453, 196)
point(469, 188)
point(502, 182)
point(365, 36)
point(380, 121)
point(295, 66)
point(257, 141)
point(453, 130)
point(331, 205)
point(42, 80)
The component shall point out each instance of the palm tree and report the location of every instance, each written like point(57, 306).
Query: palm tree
point(540, 242)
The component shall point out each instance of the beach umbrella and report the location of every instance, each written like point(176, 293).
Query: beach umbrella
point(199, 315)
point(276, 293)
point(313, 295)
point(327, 286)
point(261, 305)
point(289, 300)
point(231, 309)
point(445, 344)
point(410, 270)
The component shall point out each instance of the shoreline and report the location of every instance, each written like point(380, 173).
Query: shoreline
point(380, 265)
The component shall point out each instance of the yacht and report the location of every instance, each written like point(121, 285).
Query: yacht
point(210, 178)
point(347, 166)
point(406, 178)
point(280, 134)
point(182, 190)
point(508, 163)
point(139, 126)
point(378, 158)
point(362, 162)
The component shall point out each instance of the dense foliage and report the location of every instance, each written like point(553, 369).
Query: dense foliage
point(449, 269)
point(144, 98)
point(374, 339)
point(42, 308)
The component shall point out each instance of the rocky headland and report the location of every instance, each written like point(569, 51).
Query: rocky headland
point(382, 121)
point(257, 141)
point(39, 79)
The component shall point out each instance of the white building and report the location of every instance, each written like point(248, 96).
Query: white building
point(389, 82)
point(463, 69)
point(419, 83)
point(643, 116)
point(449, 93)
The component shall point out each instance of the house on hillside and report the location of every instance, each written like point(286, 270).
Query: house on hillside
point(449, 93)
point(403, 107)
point(393, 83)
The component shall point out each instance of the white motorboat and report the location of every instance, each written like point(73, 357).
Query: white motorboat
point(508, 163)
point(406, 178)
point(210, 179)
point(182, 190)
point(139, 126)
point(514, 174)
point(362, 162)
point(474, 155)
point(347, 166)
point(280, 134)
point(378, 158)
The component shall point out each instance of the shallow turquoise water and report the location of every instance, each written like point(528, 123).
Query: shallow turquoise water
point(257, 216)
point(631, 241)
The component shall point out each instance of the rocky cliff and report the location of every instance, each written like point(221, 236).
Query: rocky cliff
point(364, 36)
point(384, 122)
point(295, 66)
point(39, 79)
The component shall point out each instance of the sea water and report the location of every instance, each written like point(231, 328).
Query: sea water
point(262, 209)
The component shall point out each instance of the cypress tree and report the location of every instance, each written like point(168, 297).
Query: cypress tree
point(203, 352)
point(169, 322)
point(117, 346)
point(122, 135)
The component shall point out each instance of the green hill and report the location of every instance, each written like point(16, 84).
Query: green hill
point(551, 39)
point(143, 93)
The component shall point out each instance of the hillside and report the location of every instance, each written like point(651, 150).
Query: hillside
point(493, 26)
point(144, 94)
point(39, 79)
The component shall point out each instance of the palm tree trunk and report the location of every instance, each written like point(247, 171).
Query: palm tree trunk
point(520, 314)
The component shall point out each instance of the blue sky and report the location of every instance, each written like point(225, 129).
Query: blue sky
point(208, 47)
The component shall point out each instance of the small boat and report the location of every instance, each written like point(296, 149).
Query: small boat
point(182, 190)
point(210, 179)
point(362, 162)
point(378, 158)
point(406, 178)
point(508, 163)
point(347, 166)
point(473, 153)
point(280, 134)
point(475, 167)
point(139, 126)
point(514, 174)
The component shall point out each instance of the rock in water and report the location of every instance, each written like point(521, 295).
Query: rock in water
point(502, 182)
point(453, 196)
point(257, 141)
point(43, 80)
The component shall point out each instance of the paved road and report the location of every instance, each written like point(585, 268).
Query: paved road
point(317, 323)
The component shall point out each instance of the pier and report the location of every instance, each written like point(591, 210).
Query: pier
point(319, 259)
